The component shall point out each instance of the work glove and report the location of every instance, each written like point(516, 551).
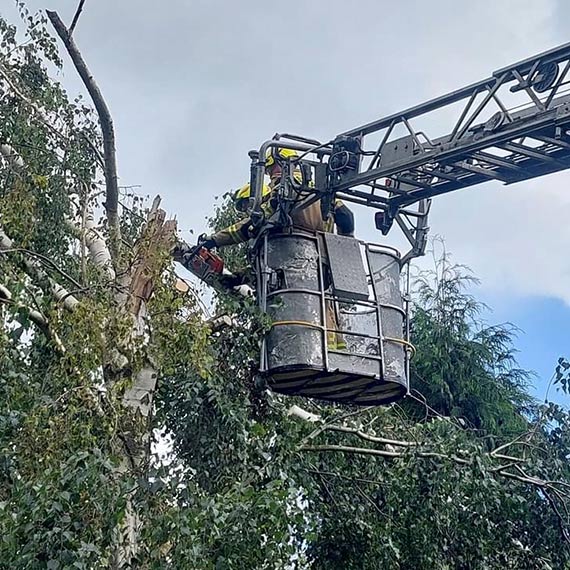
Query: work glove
point(206, 242)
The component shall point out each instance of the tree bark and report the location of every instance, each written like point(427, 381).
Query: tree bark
point(107, 129)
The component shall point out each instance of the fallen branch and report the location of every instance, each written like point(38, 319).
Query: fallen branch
point(107, 129)
point(502, 470)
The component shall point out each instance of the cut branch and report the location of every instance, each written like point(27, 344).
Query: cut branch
point(107, 129)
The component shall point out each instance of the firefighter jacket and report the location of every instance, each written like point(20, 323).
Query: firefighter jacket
point(309, 219)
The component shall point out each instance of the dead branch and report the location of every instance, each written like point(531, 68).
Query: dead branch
point(107, 129)
point(76, 17)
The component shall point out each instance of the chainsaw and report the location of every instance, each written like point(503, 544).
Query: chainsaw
point(209, 267)
point(206, 265)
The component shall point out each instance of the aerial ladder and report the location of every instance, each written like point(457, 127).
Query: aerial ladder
point(510, 127)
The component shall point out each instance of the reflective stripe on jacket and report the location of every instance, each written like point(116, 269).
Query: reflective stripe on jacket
point(309, 218)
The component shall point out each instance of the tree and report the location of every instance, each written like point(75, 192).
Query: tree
point(78, 372)
point(100, 353)
point(464, 368)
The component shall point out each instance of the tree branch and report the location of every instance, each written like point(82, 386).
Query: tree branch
point(522, 477)
point(12, 156)
point(107, 129)
point(95, 243)
point(36, 272)
point(76, 17)
point(372, 438)
point(35, 316)
point(383, 453)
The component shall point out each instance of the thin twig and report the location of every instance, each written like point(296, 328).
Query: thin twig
point(369, 500)
point(45, 260)
point(561, 522)
point(346, 477)
point(35, 270)
point(35, 317)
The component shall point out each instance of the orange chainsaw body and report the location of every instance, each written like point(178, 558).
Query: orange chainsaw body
point(206, 265)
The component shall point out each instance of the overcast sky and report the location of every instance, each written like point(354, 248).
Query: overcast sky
point(193, 85)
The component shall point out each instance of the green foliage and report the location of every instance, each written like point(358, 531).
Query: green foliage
point(463, 368)
point(239, 483)
point(562, 375)
point(235, 256)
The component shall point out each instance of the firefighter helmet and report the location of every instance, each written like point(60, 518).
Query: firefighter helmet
point(242, 195)
point(284, 153)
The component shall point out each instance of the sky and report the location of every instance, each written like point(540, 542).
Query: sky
point(194, 85)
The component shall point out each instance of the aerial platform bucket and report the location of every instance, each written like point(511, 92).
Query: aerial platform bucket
point(338, 322)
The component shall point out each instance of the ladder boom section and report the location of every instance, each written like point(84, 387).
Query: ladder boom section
point(510, 127)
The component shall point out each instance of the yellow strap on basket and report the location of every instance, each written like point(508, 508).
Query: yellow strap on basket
point(403, 342)
point(298, 323)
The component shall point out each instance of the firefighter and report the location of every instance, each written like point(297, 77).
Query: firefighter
point(243, 230)
point(308, 219)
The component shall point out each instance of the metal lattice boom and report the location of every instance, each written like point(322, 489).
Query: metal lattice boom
point(489, 139)
point(510, 127)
